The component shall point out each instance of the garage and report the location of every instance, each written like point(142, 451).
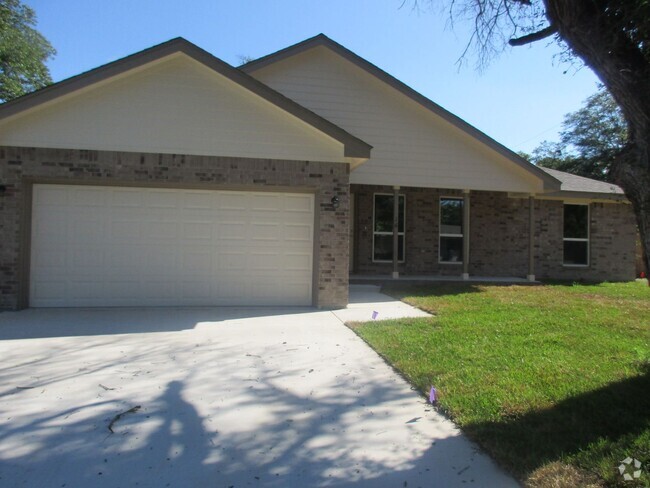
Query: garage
point(106, 246)
point(170, 178)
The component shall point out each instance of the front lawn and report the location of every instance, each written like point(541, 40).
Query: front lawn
point(553, 381)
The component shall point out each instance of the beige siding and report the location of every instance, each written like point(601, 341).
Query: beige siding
point(411, 145)
point(174, 106)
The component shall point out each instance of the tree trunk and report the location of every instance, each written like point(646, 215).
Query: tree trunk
point(636, 183)
point(596, 36)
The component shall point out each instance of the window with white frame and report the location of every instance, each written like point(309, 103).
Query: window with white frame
point(451, 230)
point(576, 235)
point(382, 238)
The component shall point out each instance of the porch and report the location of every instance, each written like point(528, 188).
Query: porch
point(427, 234)
point(356, 279)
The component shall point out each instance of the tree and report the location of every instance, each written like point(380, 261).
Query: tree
point(23, 51)
point(612, 38)
point(591, 140)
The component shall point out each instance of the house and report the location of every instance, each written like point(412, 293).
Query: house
point(172, 178)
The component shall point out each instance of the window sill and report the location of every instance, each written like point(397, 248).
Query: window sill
point(450, 262)
point(575, 265)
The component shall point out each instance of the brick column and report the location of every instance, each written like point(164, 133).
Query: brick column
point(395, 231)
point(531, 238)
point(465, 234)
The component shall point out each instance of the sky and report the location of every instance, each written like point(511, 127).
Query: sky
point(520, 99)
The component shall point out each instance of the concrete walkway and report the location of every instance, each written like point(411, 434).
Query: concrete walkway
point(227, 396)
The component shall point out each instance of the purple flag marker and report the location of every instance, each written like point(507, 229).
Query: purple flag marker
point(374, 315)
point(433, 396)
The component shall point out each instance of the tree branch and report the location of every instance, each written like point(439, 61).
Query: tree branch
point(535, 36)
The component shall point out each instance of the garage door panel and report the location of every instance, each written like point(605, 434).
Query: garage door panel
point(86, 259)
point(48, 231)
point(161, 230)
point(198, 231)
point(123, 257)
point(89, 199)
point(299, 203)
point(86, 290)
point(195, 291)
point(197, 264)
point(162, 199)
point(49, 291)
point(297, 262)
point(52, 196)
point(232, 231)
point(161, 289)
point(266, 202)
point(263, 231)
point(111, 246)
point(122, 289)
point(88, 231)
point(264, 261)
point(127, 197)
point(51, 257)
point(300, 232)
point(198, 201)
point(125, 231)
point(232, 201)
point(161, 261)
point(232, 293)
point(235, 261)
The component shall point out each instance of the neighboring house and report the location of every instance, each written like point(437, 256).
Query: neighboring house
point(172, 178)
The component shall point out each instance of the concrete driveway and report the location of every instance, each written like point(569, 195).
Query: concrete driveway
point(227, 396)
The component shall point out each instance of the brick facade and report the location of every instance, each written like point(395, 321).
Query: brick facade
point(612, 229)
point(499, 237)
point(20, 166)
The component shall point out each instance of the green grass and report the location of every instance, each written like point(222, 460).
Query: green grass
point(539, 376)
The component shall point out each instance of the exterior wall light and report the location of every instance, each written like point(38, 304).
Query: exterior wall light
point(335, 202)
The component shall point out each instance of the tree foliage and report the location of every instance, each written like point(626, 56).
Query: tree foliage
point(23, 51)
point(591, 140)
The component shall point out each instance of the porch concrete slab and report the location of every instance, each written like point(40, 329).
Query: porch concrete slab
point(228, 397)
point(368, 303)
point(362, 279)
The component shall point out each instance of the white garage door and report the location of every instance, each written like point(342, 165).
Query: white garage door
point(110, 246)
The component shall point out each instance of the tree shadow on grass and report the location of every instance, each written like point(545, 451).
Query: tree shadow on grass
point(596, 421)
point(441, 289)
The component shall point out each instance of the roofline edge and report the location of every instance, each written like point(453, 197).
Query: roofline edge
point(549, 182)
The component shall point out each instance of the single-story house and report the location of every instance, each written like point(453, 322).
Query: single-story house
point(170, 177)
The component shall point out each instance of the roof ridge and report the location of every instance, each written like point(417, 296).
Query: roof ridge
point(353, 146)
point(323, 40)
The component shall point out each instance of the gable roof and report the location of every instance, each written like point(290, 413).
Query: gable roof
point(353, 147)
point(550, 182)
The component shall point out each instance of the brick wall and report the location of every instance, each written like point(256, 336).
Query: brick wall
point(20, 165)
point(611, 244)
point(499, 237)
point(421, 239)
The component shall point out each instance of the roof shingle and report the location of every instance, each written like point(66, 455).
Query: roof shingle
point(575, 183)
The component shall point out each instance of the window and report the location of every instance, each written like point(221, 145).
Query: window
point(382, 245)
point(451, 230)
point(576, 235)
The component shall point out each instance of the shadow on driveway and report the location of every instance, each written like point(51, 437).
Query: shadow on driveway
point(69, 322)
point(283, 401)
point(169, 444)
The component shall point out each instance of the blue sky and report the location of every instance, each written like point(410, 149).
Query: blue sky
point(519, 100)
